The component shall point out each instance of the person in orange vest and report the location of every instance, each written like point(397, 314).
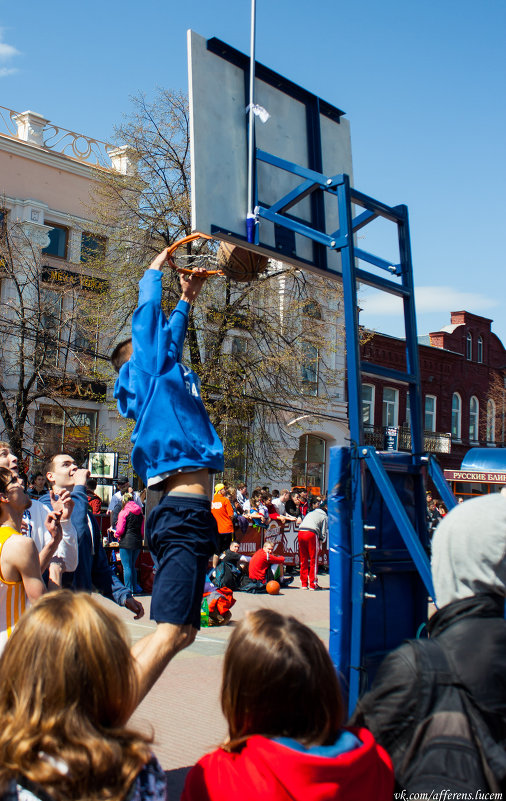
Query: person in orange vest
point(223, 513)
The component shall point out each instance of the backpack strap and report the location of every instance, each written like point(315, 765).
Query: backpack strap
point(434, 661)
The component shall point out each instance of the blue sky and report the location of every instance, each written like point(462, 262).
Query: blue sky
point(422, 83)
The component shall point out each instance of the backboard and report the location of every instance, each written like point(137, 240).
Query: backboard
point(302, 128)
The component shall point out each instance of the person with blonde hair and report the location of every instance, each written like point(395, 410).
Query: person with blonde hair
point(69, 685)
point(285, 713)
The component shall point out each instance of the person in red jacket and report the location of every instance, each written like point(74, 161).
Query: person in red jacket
point(260, 566)
point(277, 748)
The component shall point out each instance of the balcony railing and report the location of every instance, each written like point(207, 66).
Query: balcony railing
point(30, 127)
point(433, 442)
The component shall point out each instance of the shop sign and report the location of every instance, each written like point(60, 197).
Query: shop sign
point(464, 475)
point(53, 275)
point(95, 391)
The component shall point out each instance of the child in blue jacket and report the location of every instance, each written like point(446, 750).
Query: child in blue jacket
point(175, 447)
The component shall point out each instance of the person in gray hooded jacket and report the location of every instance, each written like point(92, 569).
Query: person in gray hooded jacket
point(469, 575)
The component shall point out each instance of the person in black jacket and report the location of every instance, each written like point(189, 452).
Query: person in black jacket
point(469, 574)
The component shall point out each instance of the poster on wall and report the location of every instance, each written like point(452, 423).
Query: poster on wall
point(102, 465)
point(104, 491)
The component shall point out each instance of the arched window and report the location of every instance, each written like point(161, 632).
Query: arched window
point(456, 415)
point(479, 349)
point(308, 469)
point(469, 346)
point(474, 413)
point(368, 404)
point(490, 420)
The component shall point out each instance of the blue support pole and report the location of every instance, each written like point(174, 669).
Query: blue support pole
point(441, 483)
point(356, 434)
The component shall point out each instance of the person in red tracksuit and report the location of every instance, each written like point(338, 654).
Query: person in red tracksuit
point(285, 713)
point(312, 531)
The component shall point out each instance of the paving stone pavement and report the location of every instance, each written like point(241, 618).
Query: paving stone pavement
point(182, 712)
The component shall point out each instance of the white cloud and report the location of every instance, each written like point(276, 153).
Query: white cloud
point(7, 52)
point(427, 299)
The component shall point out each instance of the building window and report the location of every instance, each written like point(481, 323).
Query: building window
point(309, 369)
point(408, 408)
point(490, 420)
point(309, 463)
point(58, 241)
point(368, 404)
point(49, 334)
point(92, 247)
point(479, 349)
point(430, 413)
point(474, 412)
point(390, 406)
point(72, 431)
point(310, 308)
point(456, 415)
point(469, 346)
point(239, 346)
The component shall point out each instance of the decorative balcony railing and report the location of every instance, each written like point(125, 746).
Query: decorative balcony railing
point(31, 127)
point(433, 442)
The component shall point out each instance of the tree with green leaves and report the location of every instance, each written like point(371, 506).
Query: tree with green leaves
point(265, 351)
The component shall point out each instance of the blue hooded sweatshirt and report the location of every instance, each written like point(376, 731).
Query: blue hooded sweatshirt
point(173, 431)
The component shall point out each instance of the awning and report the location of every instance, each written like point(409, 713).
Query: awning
point(490, 460)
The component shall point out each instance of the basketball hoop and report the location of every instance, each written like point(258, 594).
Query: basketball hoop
point(205, 256)
point(216, 258)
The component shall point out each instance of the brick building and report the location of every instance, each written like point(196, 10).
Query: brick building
point(463, 369)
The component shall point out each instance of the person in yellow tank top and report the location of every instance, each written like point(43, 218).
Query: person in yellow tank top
point(21, 582)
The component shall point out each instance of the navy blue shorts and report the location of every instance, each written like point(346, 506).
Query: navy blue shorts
point(182, 534)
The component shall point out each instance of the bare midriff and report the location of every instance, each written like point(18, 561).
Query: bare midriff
point(196, 482)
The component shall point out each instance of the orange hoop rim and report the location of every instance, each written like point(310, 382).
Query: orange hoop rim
point(190, 238)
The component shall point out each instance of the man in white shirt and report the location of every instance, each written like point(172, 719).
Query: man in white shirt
point(279, 503)
point(65, 558)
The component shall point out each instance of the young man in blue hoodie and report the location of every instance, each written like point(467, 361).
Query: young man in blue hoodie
point(175, 447)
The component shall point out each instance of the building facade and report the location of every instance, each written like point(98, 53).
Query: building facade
point(47, 358)
point(462, 370)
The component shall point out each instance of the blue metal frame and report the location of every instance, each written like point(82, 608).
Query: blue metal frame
point(362, 457)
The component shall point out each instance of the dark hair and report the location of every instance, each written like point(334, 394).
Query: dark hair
point(48, 464)
point(118, 356)
point(36, 475)
point(270, 661)
point(5, 478)
point(91, 483)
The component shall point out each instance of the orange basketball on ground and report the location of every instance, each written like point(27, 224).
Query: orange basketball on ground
point(272, 587)
point(240, 264)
